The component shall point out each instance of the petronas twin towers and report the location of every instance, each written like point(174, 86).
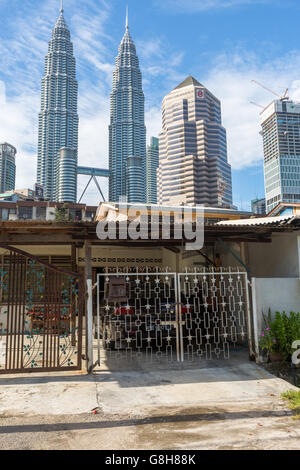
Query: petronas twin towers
point(58, 122)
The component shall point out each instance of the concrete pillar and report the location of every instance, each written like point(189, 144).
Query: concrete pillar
point(255, 320)
point(298, 240)
point(89, 306)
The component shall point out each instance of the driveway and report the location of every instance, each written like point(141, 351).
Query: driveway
point(221, 405)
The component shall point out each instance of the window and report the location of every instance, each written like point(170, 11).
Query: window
point(25, 213)
point(41, 213)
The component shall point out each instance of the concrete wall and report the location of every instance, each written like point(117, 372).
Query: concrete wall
point(277, 294)
point(277, 259)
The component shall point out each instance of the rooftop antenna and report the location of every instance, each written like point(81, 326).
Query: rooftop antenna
point(62, 6)
point(127, 27)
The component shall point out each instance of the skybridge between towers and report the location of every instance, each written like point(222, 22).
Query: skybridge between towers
point(94, 173)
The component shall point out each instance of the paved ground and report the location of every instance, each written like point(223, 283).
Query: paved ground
point(233, 405)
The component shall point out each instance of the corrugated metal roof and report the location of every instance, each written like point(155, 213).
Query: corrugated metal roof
point(282, 220)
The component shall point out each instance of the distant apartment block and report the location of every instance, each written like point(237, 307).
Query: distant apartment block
point(7, 167)
point(44, 211)
point(281, 142)
point(152, 162)
point(193, 166)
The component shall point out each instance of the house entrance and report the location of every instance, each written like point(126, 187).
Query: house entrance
point(155, 315)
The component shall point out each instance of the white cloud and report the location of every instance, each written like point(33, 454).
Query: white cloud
point(189, 6)
point(230, 80)
point(153, 122)
point(2, 93)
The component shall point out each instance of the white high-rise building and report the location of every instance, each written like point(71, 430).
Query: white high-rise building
point(281, 141)
point(193, 167)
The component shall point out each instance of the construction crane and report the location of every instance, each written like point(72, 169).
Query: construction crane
point(282, 98)
point(258, 105)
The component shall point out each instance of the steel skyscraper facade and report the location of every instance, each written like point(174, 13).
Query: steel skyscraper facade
point(58, 119)
point(152, 163)
point(193, 166)
point(127, 131)
point(281, 141)
point(7, 167)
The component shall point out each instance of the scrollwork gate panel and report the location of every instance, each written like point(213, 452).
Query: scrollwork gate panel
point(214, 313)
point(143, 324)
point(40, 315)
point(199, 315)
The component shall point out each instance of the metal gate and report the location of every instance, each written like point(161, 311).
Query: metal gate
point(162, 315)
point(40, 315)
point(143, 322)
point(214, 313)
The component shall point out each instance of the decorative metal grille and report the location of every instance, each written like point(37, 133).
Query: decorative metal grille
point(187, 316)
point(40, 316)
point(214, 313)
point(145, 326)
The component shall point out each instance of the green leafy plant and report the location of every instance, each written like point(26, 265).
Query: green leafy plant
point(61, 214)
point(286, 329)
point(280, 333)
point(293, 398)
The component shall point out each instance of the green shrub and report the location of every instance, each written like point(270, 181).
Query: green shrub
point(284, 330)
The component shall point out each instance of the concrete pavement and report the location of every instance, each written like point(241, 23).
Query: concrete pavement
point(232, 405)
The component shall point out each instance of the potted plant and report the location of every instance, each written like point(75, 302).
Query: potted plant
point(269, 344)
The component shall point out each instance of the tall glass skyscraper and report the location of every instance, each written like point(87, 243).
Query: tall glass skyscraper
point(193, 167)
point(7, 167)
point(58, 119)
point(152, 163)
point(127, 131)
point(281, 140)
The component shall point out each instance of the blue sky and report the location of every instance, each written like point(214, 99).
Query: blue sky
point(222, 43)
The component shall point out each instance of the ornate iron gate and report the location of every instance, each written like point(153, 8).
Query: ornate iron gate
point(40, 315)
point(214, 313)
point(142, 322)
point(186, 316)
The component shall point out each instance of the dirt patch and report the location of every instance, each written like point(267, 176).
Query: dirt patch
point(284, 371)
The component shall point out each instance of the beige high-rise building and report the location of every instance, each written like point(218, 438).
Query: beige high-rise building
point(193, 167)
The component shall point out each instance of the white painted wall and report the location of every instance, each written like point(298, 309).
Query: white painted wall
point(277, 259)
point(277, 294)
point(50, 213)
